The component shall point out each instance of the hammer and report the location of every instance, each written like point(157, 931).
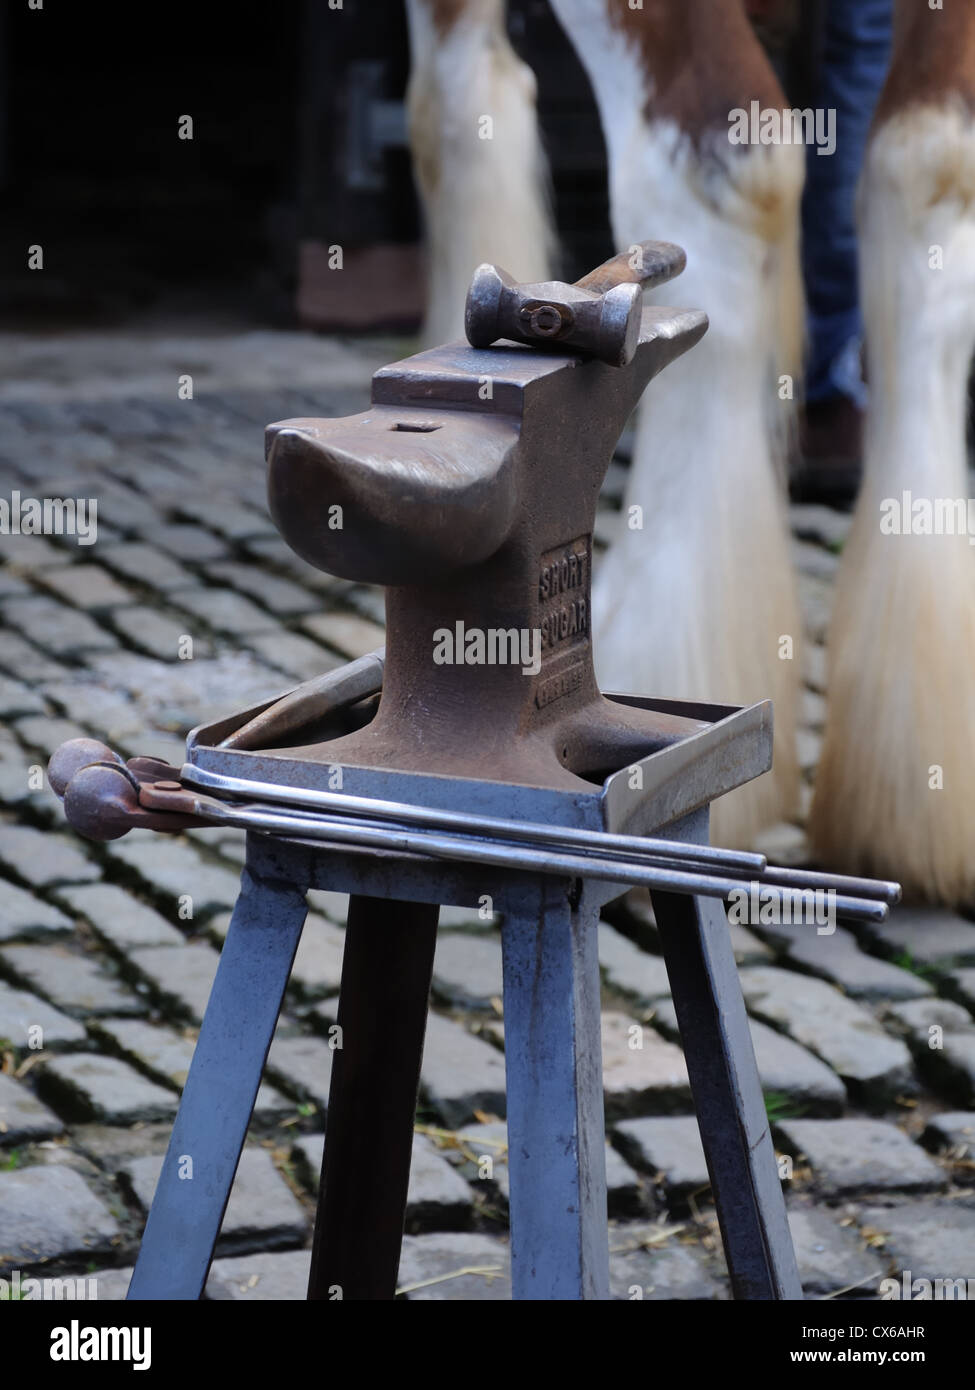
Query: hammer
point(599, 315)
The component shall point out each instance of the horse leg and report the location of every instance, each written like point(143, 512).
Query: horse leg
point(696, 596)
point(477, 155)
point(894, 786)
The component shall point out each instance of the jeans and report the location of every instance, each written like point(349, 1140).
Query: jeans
point(856, 51)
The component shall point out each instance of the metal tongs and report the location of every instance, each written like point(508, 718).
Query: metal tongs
point(105, 797)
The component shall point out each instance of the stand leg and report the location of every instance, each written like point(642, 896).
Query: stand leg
point(727, 1094)
point(556, 1135)
point(220, 1090)
point(386, 972)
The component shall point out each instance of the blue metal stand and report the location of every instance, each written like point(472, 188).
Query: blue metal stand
point(559, 1245)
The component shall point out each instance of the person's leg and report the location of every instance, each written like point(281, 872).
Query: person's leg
point(855, 56)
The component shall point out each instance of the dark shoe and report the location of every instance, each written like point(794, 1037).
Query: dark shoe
point(831, 453)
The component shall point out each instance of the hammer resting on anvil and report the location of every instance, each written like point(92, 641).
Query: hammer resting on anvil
point(469, 489)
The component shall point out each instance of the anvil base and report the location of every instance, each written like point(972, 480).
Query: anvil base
point(556, 1139)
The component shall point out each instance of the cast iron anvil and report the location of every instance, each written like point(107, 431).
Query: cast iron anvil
point(469, 489)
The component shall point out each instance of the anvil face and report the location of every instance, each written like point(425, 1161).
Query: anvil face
point(469, 489)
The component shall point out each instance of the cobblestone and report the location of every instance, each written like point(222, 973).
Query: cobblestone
point(629, 969)
point(452, 1267)
point(335, 906)
point(17, 699)
point(22, 658)
point(227, 612)
point(849, 1156)
point(930, 1240)
point(175, 870)
point(961, 984)
point(23, 1118)
point(46, 733)
point(22, 783)
point(88, 1086)
point(105, 712)
point(346, 633)
point(317, 968)
point(261, 1278)
point(147, 564)
point(821, 523)
point(22, 915)
point(830, 1256)
point(42, 858)
point(233, 520)
point(161, 635)
point(25, 1019)
point(293, 654)
point(438, 1196)
point(954, 1131)
point(281, 596)
point(180, 975)
point(302, 1065)
point(641, 1070)
point(87, 586)
point(28, 553)
point(50, 1213)
point(461, 1074)
point(490, 1141)
point(193, 544)
point(669, 1148)
point(928, 936)
point(165, 1057)
point(873, 1065)
point(120, 918)
point(838, 958)
point(641, 1266)
point(467, 968)
point(71, 981)
point(941, 1035)
point(56, 627)
point(261, 1213)
point(787, 1070)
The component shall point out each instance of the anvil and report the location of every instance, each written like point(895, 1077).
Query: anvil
point(469, 490)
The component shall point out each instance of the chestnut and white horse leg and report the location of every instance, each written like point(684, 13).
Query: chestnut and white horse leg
point(696, 597)
point(895, 789)
point(477, 155)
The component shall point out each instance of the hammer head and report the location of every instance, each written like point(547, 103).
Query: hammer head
point(599, 316)
point(605, 326)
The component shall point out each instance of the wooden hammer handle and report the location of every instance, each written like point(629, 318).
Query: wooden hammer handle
point(646, 263)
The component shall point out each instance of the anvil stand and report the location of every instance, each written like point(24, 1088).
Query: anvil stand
point(474, 506)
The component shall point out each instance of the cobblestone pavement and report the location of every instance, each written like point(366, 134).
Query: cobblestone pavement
point(865, 1041)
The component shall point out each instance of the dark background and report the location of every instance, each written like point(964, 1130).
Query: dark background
point(298, 131)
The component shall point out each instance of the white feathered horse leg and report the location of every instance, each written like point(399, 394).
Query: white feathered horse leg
point(477, 155)
point(696, 597)
point(895, 788)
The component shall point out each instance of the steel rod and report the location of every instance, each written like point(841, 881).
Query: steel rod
point(495, 827)
point(737, 863)
point(512, 856)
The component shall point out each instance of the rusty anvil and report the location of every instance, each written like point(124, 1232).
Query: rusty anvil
point(469, 490)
